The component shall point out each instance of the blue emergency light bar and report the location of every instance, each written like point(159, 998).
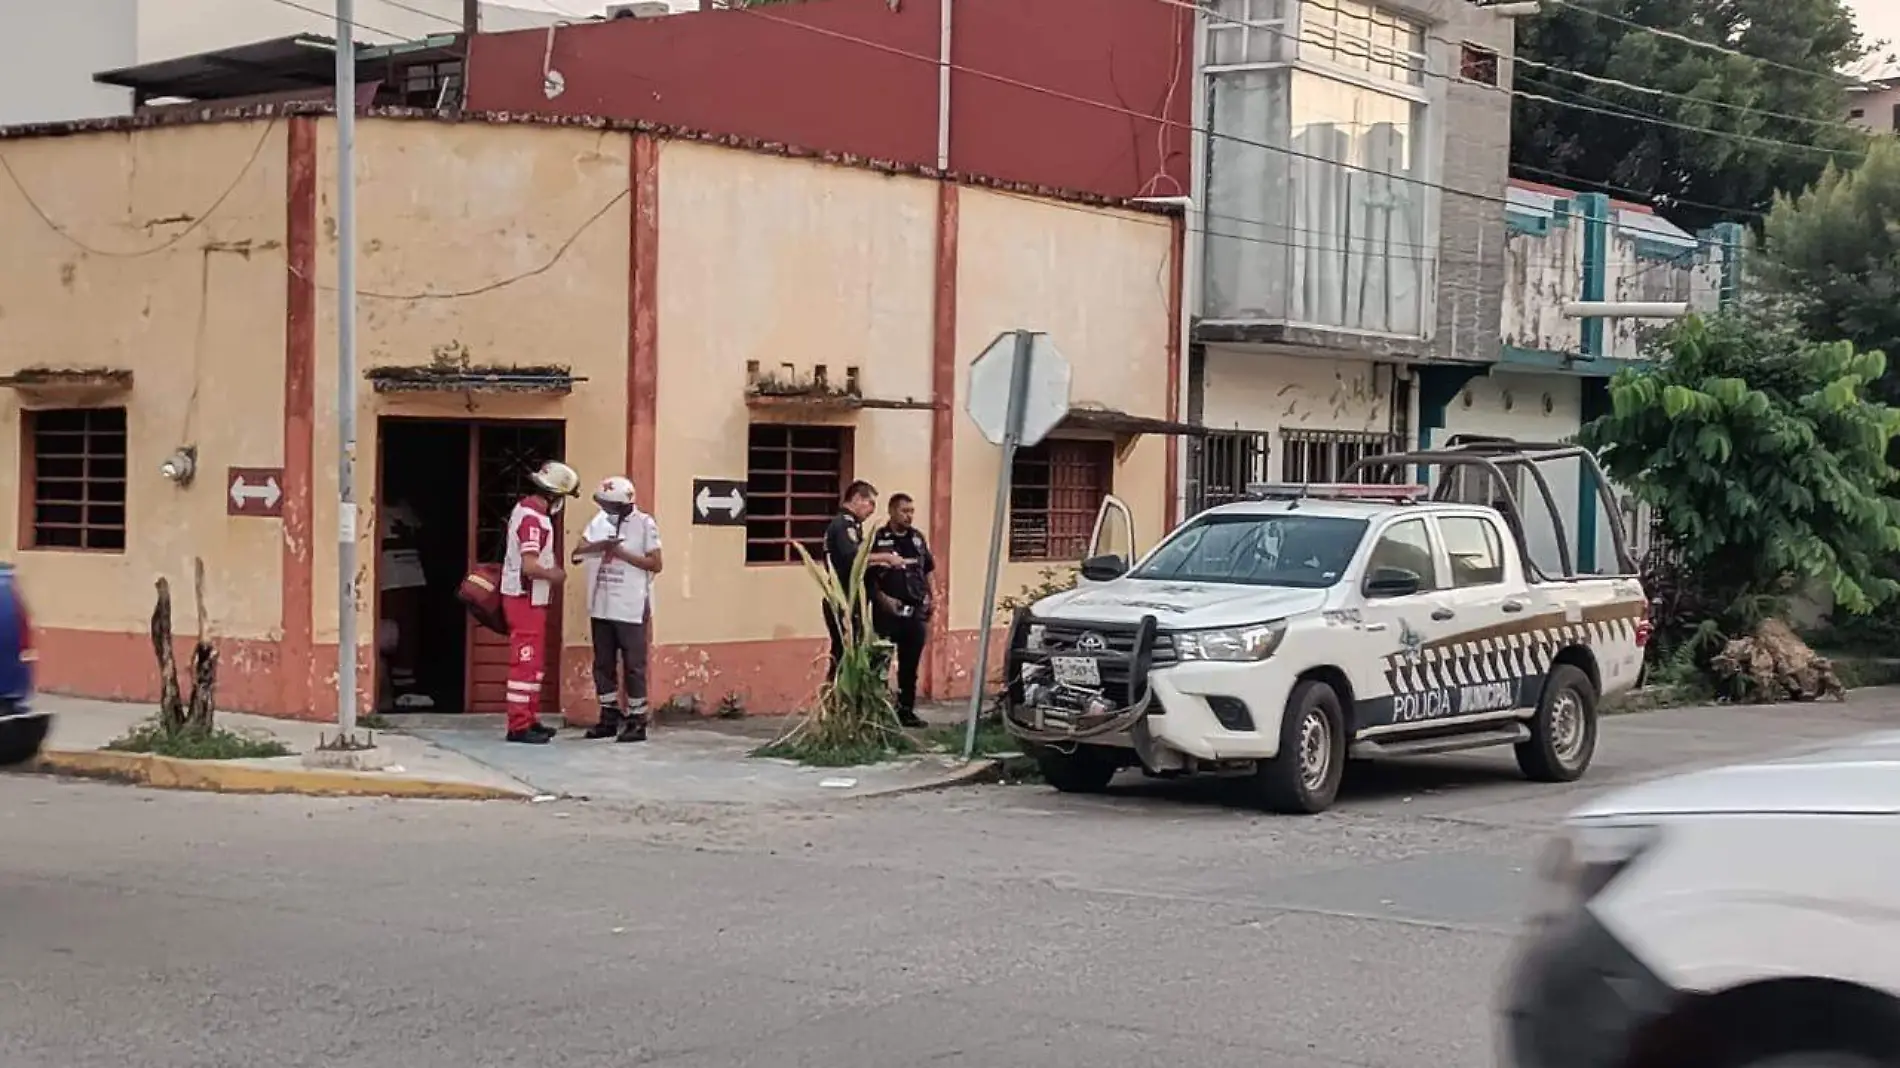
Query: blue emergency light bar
point(1336, 491)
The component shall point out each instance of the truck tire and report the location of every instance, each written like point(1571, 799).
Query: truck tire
point(1304, 778)
point(1086, 770)
point(1564, 731)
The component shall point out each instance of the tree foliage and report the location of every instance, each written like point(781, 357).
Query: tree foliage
point(1764, 459)
point(1622, 148)
point(1832, 255)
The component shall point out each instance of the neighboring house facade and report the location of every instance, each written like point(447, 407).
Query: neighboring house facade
point(1875, 103)
point(1349, 228)
point(1553, 369)
point(50, 49)
point(533, 289)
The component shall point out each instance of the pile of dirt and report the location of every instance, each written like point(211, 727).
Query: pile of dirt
point(1775, 665)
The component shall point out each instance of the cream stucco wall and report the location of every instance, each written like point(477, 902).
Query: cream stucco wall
point(783, 262)
point(186, 290)
point(1262, 392)
point(1097, 283)
point(464, 235)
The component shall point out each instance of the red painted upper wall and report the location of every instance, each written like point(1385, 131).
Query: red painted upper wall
point(1091, 62)
point(1040, 94)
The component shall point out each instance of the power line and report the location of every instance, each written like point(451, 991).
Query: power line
point(170, 242)
point(1426, 71)
point(1672, 35)
point(1654, 120)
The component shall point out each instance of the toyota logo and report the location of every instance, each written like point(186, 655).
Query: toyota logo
point(1092, 643)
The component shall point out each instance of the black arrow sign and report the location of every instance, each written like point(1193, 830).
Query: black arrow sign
point(718, 502)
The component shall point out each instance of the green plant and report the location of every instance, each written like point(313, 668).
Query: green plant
point(1052, 580)
point(194, 743)
point(853, 720)
point(731, 706)
point(1764, 460)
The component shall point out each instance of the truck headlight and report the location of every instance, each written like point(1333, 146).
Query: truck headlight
point(1230, 644)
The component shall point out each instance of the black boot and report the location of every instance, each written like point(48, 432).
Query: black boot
point(531, 737)
point(635, 730)
point(609, 724)
point(910, 720)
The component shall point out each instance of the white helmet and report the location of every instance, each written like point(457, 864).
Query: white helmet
point(558, 479)
point(615, 490)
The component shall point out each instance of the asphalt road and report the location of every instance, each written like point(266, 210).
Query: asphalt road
point(993, 927)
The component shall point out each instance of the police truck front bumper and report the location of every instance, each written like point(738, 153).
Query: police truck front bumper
point(1147, 698)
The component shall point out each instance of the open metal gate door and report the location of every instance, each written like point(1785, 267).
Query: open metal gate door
point(501, 457)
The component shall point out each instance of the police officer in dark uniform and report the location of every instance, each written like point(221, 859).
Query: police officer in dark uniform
point(843, 538)
point(901, 598)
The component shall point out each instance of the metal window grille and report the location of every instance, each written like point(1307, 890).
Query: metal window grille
point(1224, 465)
point(794, 477)
point(76, 474)
point(1325, 455)
point(1056, 489)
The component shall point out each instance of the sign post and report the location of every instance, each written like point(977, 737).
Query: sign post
point(1019, 391)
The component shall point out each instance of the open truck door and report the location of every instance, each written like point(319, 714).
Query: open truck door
point(1112, 549)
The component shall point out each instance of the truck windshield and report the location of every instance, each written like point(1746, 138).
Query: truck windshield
point(1303, 551)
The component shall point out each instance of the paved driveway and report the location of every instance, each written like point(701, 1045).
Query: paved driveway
point(983, 927)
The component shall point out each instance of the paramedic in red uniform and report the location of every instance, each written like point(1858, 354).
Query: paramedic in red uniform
point(528, 577)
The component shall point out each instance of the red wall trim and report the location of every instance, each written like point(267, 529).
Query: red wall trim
point(1177, 227)
point(300, 353)
point(643, 313)
point(943, 423)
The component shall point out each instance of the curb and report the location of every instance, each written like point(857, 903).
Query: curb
point(982, 769)
point(221, 776)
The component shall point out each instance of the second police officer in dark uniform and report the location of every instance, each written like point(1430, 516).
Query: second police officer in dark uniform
point(901, 598)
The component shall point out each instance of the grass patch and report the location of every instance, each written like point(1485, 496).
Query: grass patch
point(214, 744)
point(992, 738)
point(818, 753)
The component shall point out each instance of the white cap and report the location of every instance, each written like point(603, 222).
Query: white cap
point(615, 490)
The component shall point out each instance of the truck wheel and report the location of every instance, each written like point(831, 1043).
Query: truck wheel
point(1304, 778)
point(1564, 731)
point(1086, 770)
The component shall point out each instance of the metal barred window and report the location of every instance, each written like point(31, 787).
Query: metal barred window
point(1223, 465)
point(1325, 455)
point(1055, 491)
point(75, 479)
point(794, 477)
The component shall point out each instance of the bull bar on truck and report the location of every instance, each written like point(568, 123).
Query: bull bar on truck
point(1033, 698)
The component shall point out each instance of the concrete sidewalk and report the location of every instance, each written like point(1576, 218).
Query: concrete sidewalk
point(412, 766)
point(699, 762)
point(465, 757)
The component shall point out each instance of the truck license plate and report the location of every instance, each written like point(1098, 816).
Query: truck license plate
point(1079, 671)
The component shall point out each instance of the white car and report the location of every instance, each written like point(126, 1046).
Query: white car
point(1742, 917)
point(1280, 635)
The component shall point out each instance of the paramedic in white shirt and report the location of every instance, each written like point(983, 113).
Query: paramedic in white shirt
point(621, 552)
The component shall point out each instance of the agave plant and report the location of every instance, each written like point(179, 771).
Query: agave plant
point(853, 720)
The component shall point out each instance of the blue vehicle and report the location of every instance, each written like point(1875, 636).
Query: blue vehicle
point(22, 727)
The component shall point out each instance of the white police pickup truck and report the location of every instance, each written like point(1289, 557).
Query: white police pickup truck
point(1281, 635)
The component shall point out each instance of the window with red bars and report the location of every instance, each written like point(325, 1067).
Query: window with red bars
point(794, 477)
point(1055, 490)
point(74, 479)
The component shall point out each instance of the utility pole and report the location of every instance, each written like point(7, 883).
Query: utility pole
point(471, 24)
point(346, 368)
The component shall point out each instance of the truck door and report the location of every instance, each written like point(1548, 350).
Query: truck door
point(1400, 676)
point(1114, 533)
point(1489, 597)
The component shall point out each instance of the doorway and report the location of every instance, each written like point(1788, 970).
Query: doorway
point(445, 488)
